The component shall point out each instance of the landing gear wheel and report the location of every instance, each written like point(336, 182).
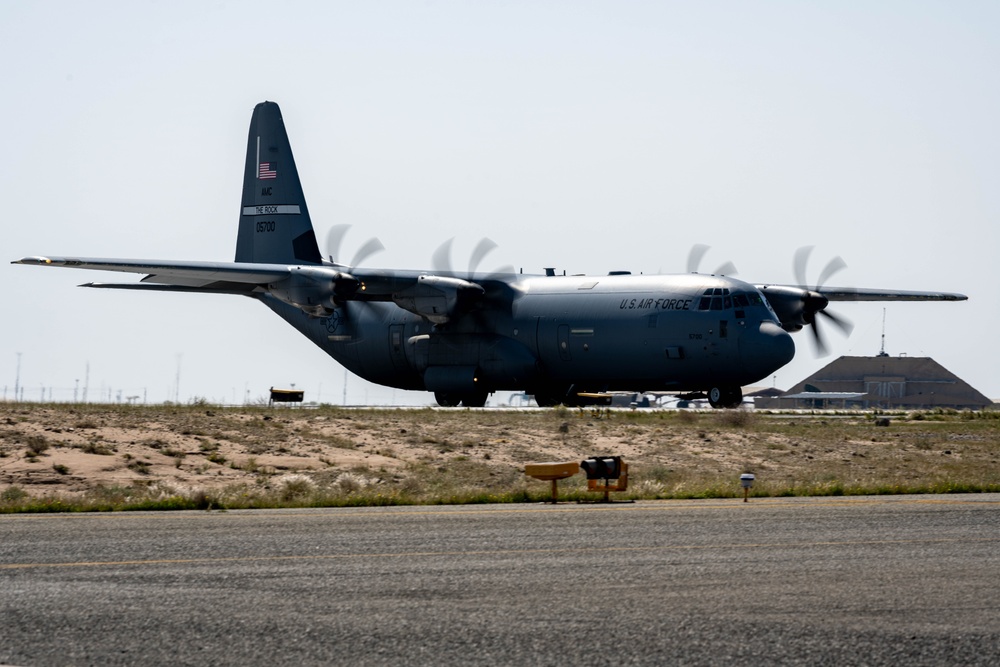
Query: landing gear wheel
point(447, 399)
point(546, 399)
point(476, 399)
point(725, 397)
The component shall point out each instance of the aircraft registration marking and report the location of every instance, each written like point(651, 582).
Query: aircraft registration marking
point(273, 209)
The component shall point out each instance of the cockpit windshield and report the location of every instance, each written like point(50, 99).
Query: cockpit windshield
point(720, 298)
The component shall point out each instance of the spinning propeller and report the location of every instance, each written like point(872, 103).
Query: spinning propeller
point(695, 256)
point(455, 294)
point(441, 259)
point(336, 236)
point(798, 305)
point(814, 303)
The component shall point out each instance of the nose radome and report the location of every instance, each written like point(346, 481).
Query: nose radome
point(766, 350)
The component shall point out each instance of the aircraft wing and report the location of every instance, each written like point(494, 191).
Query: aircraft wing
point(860, 294)
point(235, 277)
point(868, 294)
point(166, 275)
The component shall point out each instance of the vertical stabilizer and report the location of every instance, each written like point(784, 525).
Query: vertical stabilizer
point(274, 221)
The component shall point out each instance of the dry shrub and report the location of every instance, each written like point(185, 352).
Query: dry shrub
point(737, 418)
point(687, 416)
point(295, 487)
point(350, 483)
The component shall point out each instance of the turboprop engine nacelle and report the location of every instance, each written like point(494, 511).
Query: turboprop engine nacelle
point(314, 290)
point(438, 298)
point(794, 306)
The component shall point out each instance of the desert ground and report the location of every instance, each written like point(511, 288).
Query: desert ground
point(254, 456)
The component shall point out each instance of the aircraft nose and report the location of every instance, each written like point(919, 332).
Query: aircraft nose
point(766, 350)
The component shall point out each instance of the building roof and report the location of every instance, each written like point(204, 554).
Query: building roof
point(893, 382)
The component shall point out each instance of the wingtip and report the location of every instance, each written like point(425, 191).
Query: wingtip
point(33, 260)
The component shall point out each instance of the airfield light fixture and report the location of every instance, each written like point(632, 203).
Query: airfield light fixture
point(602, 467)
point(605, 468)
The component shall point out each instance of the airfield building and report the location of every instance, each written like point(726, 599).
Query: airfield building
point(880, 382)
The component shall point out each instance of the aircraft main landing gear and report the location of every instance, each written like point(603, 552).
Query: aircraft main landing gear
point(451, 399)
point(725, 397)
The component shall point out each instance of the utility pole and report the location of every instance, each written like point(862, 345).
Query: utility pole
point(17, 378)
point(86, 382)
point(177, 387)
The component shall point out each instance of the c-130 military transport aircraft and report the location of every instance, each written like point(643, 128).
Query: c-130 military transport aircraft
point(464, 336)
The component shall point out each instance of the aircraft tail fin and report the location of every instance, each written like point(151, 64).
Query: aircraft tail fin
point(275, 227)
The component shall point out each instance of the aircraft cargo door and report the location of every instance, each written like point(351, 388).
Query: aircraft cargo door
point(552, 340)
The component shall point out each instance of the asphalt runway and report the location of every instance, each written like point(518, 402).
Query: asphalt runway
point(911, 580)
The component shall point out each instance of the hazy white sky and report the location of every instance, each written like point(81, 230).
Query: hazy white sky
point(589, 136)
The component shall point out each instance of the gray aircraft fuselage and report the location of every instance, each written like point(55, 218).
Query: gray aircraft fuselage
point(566, 334)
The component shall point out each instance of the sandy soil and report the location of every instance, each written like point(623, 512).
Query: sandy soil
point(73, 449)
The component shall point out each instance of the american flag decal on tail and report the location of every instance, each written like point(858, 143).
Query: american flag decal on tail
point(266, 170)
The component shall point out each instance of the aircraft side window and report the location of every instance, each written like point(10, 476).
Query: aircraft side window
point(705, 303)
point(740, 300)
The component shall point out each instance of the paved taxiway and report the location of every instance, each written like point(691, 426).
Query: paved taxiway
point(894, 580)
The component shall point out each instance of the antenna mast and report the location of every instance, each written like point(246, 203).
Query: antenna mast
point(882, 352)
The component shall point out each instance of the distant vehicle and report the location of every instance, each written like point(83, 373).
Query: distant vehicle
point(465, 335)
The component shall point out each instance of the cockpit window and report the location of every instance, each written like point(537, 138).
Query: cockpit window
point(719, 298)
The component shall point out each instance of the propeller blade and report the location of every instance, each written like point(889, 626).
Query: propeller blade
point(371, 246)
point(821, 349)
point(799, 264)
point(483, 248)
point(506, 269)
point(833, 266)
point(334, 238)
point(841, 322)
point(695, 256)
point(727, 269)
point(697, 253)
point(441, 259)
